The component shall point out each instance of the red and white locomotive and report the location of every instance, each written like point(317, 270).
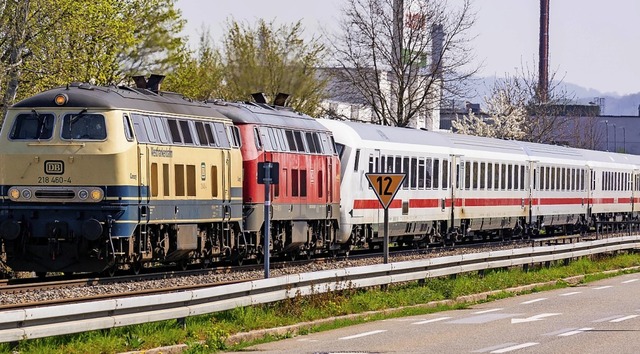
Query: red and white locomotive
point(305, 202)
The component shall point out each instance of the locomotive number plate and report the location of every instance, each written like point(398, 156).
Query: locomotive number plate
point(54, 167)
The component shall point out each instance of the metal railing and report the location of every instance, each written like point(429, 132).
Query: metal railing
point(48, 321)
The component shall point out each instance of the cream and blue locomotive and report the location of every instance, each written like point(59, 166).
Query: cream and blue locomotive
point(99, 178)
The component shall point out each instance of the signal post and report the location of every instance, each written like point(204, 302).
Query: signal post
point(385, 185)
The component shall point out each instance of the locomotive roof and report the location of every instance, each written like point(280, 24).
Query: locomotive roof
point(112, 97)
point(262, 114)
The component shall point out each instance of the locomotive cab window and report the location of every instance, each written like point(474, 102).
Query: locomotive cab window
point(32, 126)
point(83, 126)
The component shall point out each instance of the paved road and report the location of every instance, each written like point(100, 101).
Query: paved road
point(601, 317)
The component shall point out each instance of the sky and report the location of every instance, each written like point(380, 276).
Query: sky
point(592, 43)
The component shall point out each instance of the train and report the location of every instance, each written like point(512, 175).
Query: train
point(100, 178)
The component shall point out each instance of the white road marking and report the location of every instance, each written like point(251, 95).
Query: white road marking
point(624, 318)
point(573, 293)
point(307, 340)
point(603, 287)
point(533, 318)
point(630, 281)
point(532, 301)
point(515, 347)
point(487, 311)
point(607, 318)
point(555, 333)
point(494, 347)
point(577, 331)
point(363, 334)
point(431, 320)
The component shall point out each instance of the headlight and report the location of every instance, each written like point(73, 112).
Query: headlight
point(83, 194)
point(14, 193)
point(96, 194)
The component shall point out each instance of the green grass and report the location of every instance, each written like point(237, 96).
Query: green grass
point(208, 333)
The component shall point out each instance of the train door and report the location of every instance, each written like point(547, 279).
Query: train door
point(456, 184)
point(225, 183)
point(633, 187)
point(534, 175)
point(590, 187)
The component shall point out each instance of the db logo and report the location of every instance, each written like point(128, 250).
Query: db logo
point(54, 167)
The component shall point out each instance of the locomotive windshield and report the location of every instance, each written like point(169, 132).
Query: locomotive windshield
point(84, 126)
point(33, 126)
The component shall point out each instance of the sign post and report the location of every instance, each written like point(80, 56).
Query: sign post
point(267, 175)
point(386, 186)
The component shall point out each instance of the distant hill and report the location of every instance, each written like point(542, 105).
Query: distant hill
point(614, 105)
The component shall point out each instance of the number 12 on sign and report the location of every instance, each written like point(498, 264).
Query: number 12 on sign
point(386, 185)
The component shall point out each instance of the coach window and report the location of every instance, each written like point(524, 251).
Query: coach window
point(483, 175)
point(496, 176)
point(258, 140)
point(467, 175)
point(503, 176)
point(428, 174)
point(284, 146)
point(516, 177)
point(160, 127)
point(445, 174)
point(389, 167)
point(357, 160)
point(186, 132)
point(405, 170)
point(211, 134)
point(371, 164)
point(522, 178)
point(421, 174)
point(414, 173)
point(489, 176)
point(311, 143)
point(274, 139)
point(299, 141)
point(32, 126)
point(475, 175)
point(151, 135)
point(202, 134)
point(174, 131)
point(318, 143)
point(291, 140)
point(128, 129)
point(436, 174)
point(398, 168)
point(221, 134)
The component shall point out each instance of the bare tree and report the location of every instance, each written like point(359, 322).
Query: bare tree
point(402, 56)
